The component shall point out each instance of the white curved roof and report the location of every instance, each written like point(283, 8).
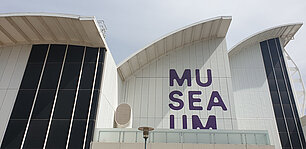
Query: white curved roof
point(207, 29)
point(38, 28)
point(284, 32)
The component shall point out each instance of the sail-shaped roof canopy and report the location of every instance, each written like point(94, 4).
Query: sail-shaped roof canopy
point(207, 29)
point(284, 32)
point(40, 28)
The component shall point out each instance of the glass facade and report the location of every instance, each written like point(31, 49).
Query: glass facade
point(285, 110)
point(57, 101)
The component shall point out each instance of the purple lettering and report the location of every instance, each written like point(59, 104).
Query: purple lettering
point(184, 119)
point(186, 76)
point(179, 101)
point(209, 78)
point(196, 122)
point(212, 103)
point(192, 100)
point(211, 122)
point(171, 121)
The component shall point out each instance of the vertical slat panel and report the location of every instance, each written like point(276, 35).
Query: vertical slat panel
point(4, 59)
point(9, 69)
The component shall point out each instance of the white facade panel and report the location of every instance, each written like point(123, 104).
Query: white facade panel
point(13, 61)
point(108, 95)
point(251, 93)
point(147, 90)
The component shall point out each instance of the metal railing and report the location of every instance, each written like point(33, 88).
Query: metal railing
point(184, 136)
point(103, 27)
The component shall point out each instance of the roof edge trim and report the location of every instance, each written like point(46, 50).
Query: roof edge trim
point(245, 40)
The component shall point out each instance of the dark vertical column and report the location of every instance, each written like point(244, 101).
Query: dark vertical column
point(45, 98)
point(58, 98)
point(95, 98)
point(284, 106)
point(83, 124)
point(64, 103)
point(293, 120)
point(22, 108)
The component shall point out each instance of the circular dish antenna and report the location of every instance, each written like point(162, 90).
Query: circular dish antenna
point(123, 115)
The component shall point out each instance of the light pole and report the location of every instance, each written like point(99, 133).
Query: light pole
point(145, 131)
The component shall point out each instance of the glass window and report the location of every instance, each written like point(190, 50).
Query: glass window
point(91, 126)
point(82, 106)
point(291, 125)
point(275, 60)
point(160, 137)
point(173, 138)
point(221, 138)
point(70, 76)
point(91, 54)
point(302, 137)
point(110, 136)
point(270, 73)
point(43, 104)
point(281, 125)
point(56, 53)
point(279, 73)
point(75, 53)
point(299, 126)
point(23, 104)
point(272, 85)
point(94, 104)
point(58, 134)
point(38, 53)
point(295, 140)
point(102, 54)
point(234, 138)
point(273, 51)
point(281, 85)
point(278, 111)
point(51, 76)
point(261, 139)
point(99, 76)
point(14, 134)
point(129, 137)
point(31, 76)
point(36, 134)
point(293, 105)
point(88, 75)
point(205, 138)
point(77, 134)
point(64, 104)
point(250, 138)
point(279, 47)
point(275, 97)
point(284, 139)
point(189, 138)
point(285, 97)
point(288, 111)
point(265, 54)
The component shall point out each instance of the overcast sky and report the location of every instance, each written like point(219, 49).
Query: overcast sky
point(133, 24)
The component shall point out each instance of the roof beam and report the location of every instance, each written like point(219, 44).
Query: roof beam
point(10, 20)
point(48, 29)
point(33, 28)
point(7, 34)
point(62, 30)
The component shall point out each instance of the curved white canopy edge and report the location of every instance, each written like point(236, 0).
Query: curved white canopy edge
point(284, 32)
point(203, 30)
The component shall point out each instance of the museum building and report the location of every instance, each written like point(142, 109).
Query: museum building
point(60, 87)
